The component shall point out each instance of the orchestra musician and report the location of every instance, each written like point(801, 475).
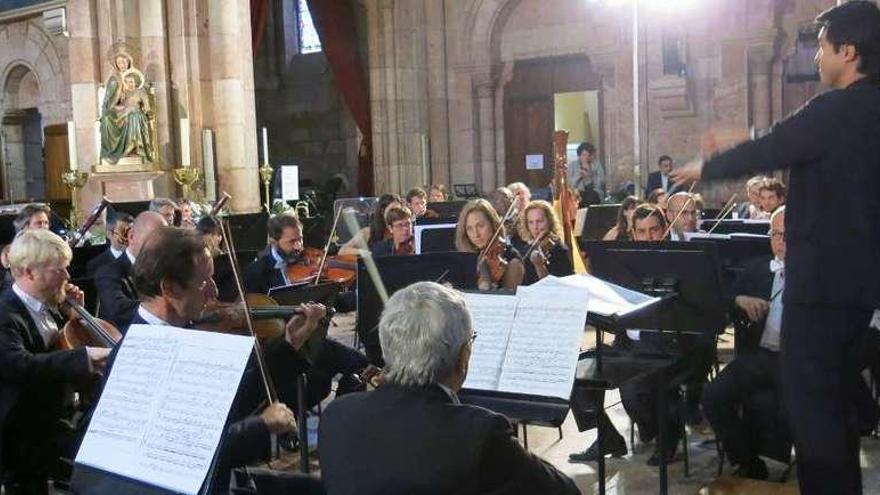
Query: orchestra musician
point(539, 240)
point(373, 233)
point(501, 199)
point(521, 196)
point(682, 213)
point(479, 230)
point(832, 297)
point(165, 207)
point(752, 207)
point(116, 292)
point(772, 194)
point(32, 216)
point(36, 382)
point(623, 228)
point(399, 220)
point(417, 201)
point(118, 226)
point(412, 434)
point(436, 193)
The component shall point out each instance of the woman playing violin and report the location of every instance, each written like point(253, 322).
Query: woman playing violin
point(399, 220)
point(540, 242)
point(376, 232)
point(480, 231)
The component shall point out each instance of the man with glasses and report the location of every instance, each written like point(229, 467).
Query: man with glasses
point(681, 212)
point(36, 382)
point(412, 434)
point(118, 226)
point(399, 220)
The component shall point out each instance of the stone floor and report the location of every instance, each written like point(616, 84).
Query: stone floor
point(630, 475)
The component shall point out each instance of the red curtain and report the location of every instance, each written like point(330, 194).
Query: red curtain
point(259, 14)
point(335, 23)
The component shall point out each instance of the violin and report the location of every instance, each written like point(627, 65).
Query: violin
point(494, 258)
point(92, 218)
point(406, 248)
point(86, 330)
point(340, 269)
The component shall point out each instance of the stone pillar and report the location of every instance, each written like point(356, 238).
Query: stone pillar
point(232, 80)
point(484, 90)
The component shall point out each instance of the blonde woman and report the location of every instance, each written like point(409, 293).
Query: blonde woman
point(499, 264)
point(539, 241)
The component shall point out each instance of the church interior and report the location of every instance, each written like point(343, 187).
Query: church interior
point(260, 124)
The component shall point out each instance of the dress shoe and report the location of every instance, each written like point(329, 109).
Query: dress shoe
point(615, 446)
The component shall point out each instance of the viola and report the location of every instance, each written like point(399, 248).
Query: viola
point(494, 258)
point(86, 330)
point(338, 269)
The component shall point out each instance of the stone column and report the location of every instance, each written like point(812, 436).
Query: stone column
point(484, 90)
point(232, 80)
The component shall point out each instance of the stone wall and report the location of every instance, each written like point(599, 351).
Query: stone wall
point(439, 68)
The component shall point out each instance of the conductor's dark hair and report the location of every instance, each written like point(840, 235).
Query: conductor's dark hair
point(278, 223)
point(585, 146)
point(169, 254)
point(663, 158)
point(27, 211)
point(855, 23)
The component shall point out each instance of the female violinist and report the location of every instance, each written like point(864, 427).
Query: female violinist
point(480, 231)
point(540, 235)
point(374, 233)
point(399, 221)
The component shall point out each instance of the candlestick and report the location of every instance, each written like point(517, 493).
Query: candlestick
point(208, 162)
point(265, 147)
point(186, 177)
point(97, 141)
point(266, 172)
point(184, 142)
point(71, 145)
point(74, 180)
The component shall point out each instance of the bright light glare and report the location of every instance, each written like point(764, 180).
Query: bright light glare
point(647, 3)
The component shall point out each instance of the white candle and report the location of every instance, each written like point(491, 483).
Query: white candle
point(71, 145)
point(98, 141)
point(184, 142)
point(208, 162)
point(265, 147)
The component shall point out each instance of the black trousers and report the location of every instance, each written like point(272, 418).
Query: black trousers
point(752, 373)
point(821, 360)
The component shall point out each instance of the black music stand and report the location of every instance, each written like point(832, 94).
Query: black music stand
point(437, 238)
point(397, 272)
point(446, 211)
point(133, 208)
point(81, 257)
point(599, 220)
point(248, 230)
point(685, 277)
point(7, 229)
point(759, 227)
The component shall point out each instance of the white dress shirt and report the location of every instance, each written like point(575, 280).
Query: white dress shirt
point(116, 252)
point(279, 263)
point(150, 318)
point(773, 325)
point(40, 314)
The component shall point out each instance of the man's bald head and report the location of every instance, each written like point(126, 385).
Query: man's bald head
point(144, 224)
point(682, 206)
point(777, 233)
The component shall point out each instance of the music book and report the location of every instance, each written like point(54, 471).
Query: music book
point(527, 343)
point(164, 408)
point(605, 298)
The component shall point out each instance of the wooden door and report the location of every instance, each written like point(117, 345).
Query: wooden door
point(55, 147)
point(528, 130)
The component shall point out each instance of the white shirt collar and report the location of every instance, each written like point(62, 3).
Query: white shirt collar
point(32, 303)
point(116, 252)
point(150, 318)
point(131, 257)
point(452, 395)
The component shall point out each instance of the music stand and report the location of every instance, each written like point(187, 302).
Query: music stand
point(133, 208)
point(397, 272)
point(599, 220)
point(7, 228)
point(363, 208)
point(467, 191)
point(446, 211)
point(758, 227)
point(437, 238)
point(248, 230)
point(81, 257)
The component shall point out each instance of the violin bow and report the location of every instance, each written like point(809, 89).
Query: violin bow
point(327, 246)
point(258, 348)
point(689, 200)
point(728, 207)
point(497, 232)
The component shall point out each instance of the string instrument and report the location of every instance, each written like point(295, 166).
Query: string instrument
point(219, 204)
point(86, 330)
point(541, 247)
point(339, 269)
point(90, 221)
point(493, 253)
point(407, 248)
point(269, 318)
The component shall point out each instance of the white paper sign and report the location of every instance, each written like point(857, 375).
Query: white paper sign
point(164, 407)
point(289, 182)
point(534, 162)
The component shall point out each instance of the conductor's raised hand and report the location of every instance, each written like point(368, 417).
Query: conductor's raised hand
point(301, 326)
point(687, 173)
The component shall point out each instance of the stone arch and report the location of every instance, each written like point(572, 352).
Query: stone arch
point(20, 87)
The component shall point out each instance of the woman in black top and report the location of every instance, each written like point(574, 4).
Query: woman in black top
point(540, 242)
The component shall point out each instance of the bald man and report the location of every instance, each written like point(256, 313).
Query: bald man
point(681, 212)
point(116, 293)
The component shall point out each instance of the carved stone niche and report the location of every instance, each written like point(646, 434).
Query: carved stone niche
point(672, 95)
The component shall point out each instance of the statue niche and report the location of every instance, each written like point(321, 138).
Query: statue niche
point(127, 121)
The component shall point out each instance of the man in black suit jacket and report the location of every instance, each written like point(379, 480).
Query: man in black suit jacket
point(833, 280)
point(660, 179)
point(118, 226)
point(285, 246)
point(116, 293)
point(36, 381)
point(412, 435)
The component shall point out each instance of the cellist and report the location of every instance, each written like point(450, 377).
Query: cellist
point(36, 382)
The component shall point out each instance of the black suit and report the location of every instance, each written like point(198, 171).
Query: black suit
point(35, 392)
point(832, 279)
point(261, 275)
point(116, 292)
point(416, 440)
point(94, 264)
point(656, 182)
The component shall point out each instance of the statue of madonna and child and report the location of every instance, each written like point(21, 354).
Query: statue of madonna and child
point(127, 118)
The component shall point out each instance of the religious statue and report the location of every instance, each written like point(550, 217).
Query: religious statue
point(127, 118)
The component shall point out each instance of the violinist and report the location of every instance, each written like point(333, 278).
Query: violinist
point(539, 240)
point(437, 193)
point(376, 231)
point(417, 201)
point(479, 230)
point(623, 228)
point(224, 278)
point(285, 248)
point(400, 224)
point(37, 382)
point(118, 226)
point(33, 216)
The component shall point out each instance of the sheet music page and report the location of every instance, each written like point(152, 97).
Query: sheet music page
point(605, 298)
point(164, 406)
point(492, 317)
point(543, 350)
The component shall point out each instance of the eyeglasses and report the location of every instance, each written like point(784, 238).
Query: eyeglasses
point(402, 225)
point(776, 235)
point(473, 338)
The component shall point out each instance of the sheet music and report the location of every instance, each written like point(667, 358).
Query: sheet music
point(164, 407)
point(492, 317)
point(543, 349)
point(605, 298)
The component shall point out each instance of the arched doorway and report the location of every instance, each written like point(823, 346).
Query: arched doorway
point(23, 170)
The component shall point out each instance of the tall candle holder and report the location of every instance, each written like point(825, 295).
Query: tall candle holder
point(74, 180)
point(186, 177)
point(266, 172)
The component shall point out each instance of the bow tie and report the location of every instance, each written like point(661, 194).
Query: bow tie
point(777, 266)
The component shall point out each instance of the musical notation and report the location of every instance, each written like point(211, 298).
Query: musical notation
point(165, 404)
point(492, 318)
